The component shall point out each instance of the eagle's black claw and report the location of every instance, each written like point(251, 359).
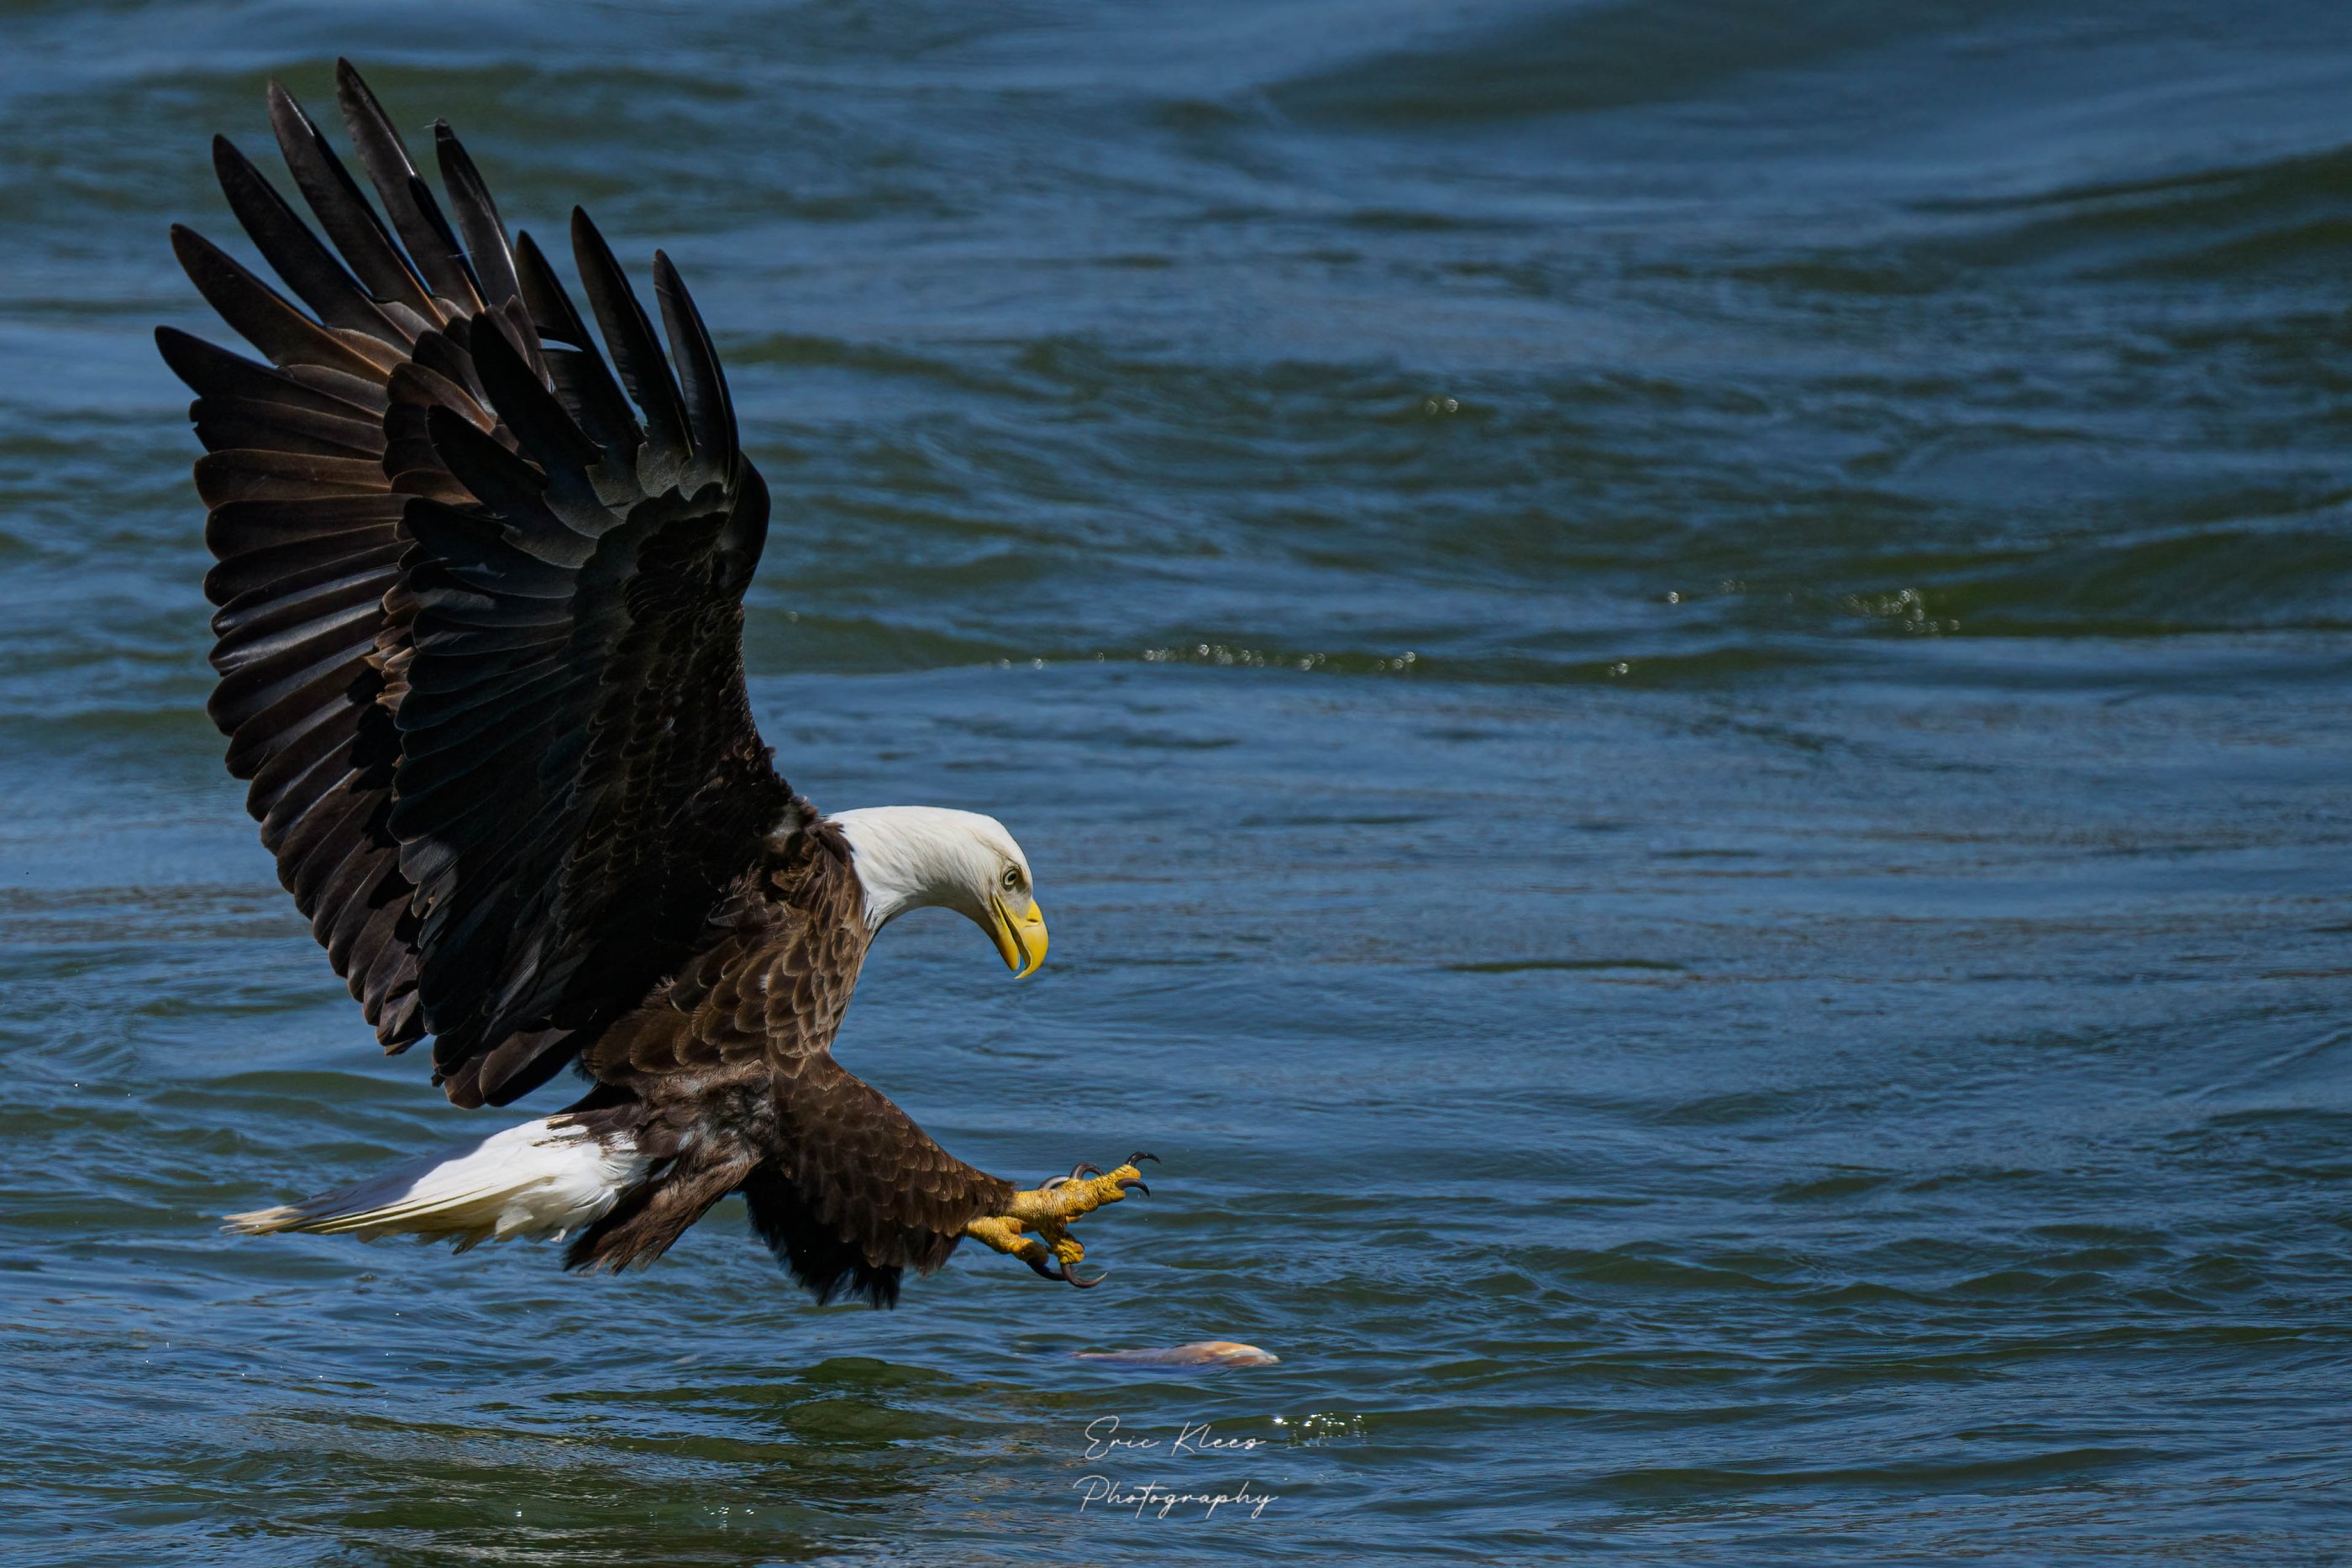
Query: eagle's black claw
point(1139, 1158)
point(1045, 1273)
point(1081, 1169)
point(1082, 1284)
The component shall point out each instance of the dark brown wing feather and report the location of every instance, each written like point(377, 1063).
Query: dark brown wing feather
point(729, 1068)
point(479, 627)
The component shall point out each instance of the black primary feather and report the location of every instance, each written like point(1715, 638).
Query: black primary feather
point(432, 245)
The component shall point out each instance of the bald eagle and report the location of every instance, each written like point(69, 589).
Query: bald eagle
point(480, 591)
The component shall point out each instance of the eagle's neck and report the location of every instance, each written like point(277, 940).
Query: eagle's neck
point(915, 857)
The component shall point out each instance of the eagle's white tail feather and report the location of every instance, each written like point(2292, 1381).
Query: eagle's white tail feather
point(537, 1179)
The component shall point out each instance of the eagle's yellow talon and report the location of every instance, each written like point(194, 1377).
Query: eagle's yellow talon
point(1048, 1211)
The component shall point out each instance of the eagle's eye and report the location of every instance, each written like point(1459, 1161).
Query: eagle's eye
point(1011, 879)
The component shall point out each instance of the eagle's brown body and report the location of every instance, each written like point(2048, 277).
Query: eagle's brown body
point(840, 1182)
point(480, 658)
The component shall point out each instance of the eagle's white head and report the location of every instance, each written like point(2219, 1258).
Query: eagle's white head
point(920, 857)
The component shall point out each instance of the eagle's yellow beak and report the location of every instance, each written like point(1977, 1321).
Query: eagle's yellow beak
point(1020, 939)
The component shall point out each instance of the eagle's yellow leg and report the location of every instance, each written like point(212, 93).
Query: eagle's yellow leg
point(1035, 1226)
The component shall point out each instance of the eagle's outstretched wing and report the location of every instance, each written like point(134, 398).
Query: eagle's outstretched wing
point(480, 618)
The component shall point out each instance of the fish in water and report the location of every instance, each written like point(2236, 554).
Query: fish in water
point(1200, 1353)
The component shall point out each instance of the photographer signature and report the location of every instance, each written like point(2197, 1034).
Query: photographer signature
point(1105, 1440)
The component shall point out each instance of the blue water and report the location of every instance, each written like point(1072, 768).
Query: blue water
point(1676, 673)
